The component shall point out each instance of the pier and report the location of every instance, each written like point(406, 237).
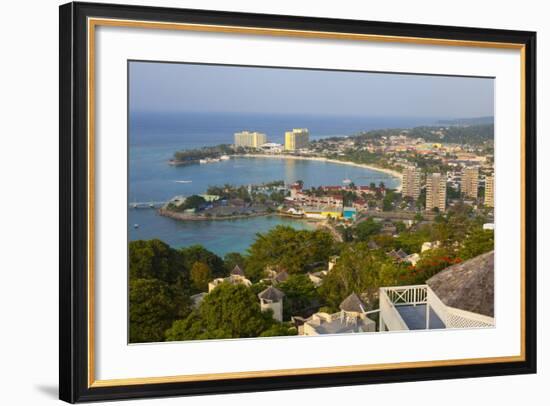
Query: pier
point(146, 205)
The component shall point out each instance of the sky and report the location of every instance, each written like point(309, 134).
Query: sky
point(176, 87)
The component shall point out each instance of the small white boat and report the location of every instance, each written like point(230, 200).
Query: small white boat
point(225, 157)
point(183, 181)
point(346, 181)
point(136, 225)
point(209, 160)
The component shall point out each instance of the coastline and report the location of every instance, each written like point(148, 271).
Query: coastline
point(190, 217)
point(390, 172)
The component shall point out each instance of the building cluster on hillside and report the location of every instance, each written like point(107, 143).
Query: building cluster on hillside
point(460, 296)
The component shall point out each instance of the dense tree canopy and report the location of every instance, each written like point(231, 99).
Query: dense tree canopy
point(232, 259)
point(154, 306)
point(476, 243)
point(200, 276)
point(290, 249)
point(229, 311)
point(300, 295)
point(154, 259)
point(197, 253)
point(366, 229)
point(280, 329)
point(193, 202)
point(360, 270)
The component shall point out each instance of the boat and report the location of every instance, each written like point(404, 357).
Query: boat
point(183, 181)
point(225, 157)
point(136, 225)
point(347, 181)
point(209, 160)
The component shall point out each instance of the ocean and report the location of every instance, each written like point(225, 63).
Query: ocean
point(154, 137)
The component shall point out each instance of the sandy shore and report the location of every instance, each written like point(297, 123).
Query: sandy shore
point(390, 172)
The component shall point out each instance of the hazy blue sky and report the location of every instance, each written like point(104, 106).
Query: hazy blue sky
point(185, 87)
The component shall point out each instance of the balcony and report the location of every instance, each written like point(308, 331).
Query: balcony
point(417, 307)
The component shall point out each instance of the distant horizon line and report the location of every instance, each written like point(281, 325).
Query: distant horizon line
point(312, 114)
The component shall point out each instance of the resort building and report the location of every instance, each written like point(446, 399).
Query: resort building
point(317, 201)
point(296, 139)
point(411, 182)
point(489, 200)
point(236, 277)
point(210, 198)
point(250, 139)
point(461, 296)
point(352, 318)
point(470, 181)
point(436, 191)
point(272, 147)
point(272, 299)
point(322, 213)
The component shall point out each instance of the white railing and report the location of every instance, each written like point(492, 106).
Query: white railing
point(406, 295)
point(390, 319)
point(457, 318)
point(412, 295)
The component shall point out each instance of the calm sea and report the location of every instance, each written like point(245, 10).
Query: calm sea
point(154, 137)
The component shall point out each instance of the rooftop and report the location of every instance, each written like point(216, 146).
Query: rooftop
point(341, 326)
point(467, 286)
point(271, 293)
point(237, 271)
point(281, 276)
point(353, 303)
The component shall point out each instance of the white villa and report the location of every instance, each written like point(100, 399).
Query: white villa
point(272, 299)
point(317, 277)
point(428, 245)
point(461, 296)
point(352, 318)
point(275, 275)
point(236, 277)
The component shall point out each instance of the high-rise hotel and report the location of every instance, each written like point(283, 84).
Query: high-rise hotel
point(436, 191)
point(470, 181)
point(411, 182)
point(250, 139)
point(489, 200)
point(296, 139)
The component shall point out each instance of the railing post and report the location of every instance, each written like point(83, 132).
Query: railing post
point(427, 315)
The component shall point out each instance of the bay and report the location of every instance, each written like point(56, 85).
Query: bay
point(154, 137)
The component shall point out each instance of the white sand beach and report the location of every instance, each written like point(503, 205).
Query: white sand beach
point(334, 161)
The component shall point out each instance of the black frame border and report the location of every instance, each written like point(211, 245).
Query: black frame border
point(73, 195)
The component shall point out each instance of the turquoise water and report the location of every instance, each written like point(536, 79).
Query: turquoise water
point(154, 139)
point(221, 236)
